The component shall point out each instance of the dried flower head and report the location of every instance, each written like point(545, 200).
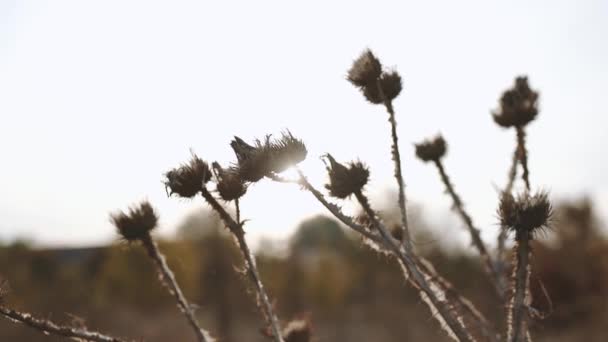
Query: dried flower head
point(390, 82)
point(137, 223)
point(298, 331)
point(188, 179)
point(286, 151)
point(431, 149)
point(343, 180)
point(518, 105)
point(230, 186)
point(255, 162)
point(525, 213)
point(365, 70)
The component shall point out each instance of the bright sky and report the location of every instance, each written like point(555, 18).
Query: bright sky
point(99, 98)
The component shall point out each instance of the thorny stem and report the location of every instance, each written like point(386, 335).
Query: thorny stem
point(518, 317)
point(334, 209)
point(50, 327)
point(237, 208)
point(523, 155)
point(489, 266)
point(457, 330)
point(237, 230)
point(397, 161)
point(168, 280)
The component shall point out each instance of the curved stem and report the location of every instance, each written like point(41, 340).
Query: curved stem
point(49, 327)
point(252, 271)
point(168, 280)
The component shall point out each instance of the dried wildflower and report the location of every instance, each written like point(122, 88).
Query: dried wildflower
point(255, 162)
point(298, 331)
point(286, 152)
point(343, 180)
point(365, 70)
point(137, 223)
point(390, 82)
point(526, 213)
point(518, 105)
point(431, 149)
point(188, 179)
point(230, 186)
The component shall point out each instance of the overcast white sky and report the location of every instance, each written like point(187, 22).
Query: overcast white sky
point(99, 98)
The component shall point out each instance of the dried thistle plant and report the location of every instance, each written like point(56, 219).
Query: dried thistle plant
point(135, 226)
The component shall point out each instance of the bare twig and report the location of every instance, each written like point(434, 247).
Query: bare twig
point(237, 230)
point(397, 162)
point(489, 266)
point(48, 327)
point(168, 280)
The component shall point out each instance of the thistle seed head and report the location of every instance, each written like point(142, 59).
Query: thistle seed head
point(230, 186)
point(431, 149)
point(390, 82)
point(255, 162)
point(518, 105)
point(298, 331)
point(137, 223)
point(525, 213)
point(188, 179)
point(343, 180)
point(365, 70)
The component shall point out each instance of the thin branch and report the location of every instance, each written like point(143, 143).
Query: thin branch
point(334, 209)
point(523, 155)
point(449, 319)
point(397, 161)
point(518, 314)
point(489, 266)
point(168, 280)
point(237, 230)
point(49, 327)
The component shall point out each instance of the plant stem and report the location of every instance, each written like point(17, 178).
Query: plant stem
point(168, 280)
point(448, 318)
point(489, 266)
point(518, 317)
point(237, 230)
point(523, 155)
point(397, 162)
point(48, 327)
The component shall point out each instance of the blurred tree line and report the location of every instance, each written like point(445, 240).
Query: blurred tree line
point(349, 292)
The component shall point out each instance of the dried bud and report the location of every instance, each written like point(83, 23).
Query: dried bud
point(230, 186)
point(298, 331)
point(255, 162)
point(526, 213)
point(518, 105)
point(188, 179)
point(286, 152)
point(344, 181)
point(137, 223)
point(365, 70)
point(431, 149)
point(390, 82)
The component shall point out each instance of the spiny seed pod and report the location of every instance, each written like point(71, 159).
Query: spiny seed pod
point(344, 181)
point(188, 179)
point(431, 149)
point(253, 161)
point(365, 70)
point(390, 82)
point(526, 213)
point(518, 105)
point(230, 186)
point(286, 152)
point(137, 223)
point(298, 331)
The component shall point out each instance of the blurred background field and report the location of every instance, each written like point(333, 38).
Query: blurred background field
point(322, 273)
